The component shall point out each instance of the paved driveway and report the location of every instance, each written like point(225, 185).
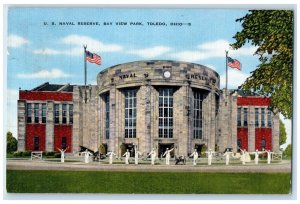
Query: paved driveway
point(284, 166)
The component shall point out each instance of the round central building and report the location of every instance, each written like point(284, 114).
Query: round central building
point(157, 104)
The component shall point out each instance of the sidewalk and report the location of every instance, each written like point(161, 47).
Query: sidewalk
point(284, 166)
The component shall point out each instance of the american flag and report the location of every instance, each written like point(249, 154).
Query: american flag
point(93, 58)
point(233, 63)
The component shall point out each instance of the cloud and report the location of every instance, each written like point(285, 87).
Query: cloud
point(45, 74)
point(47, 51)
point(75, 46)
point(150, 52)
point(16, 41)
point(92, 44)
point(235, 78)
point(212, 50)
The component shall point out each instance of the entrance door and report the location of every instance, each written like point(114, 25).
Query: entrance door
point(63, 143)
point(198, 147)
point(126, 146)
point(163, 147)
point(36, 144)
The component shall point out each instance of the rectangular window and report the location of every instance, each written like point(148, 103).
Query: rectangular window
point(29, 112)
point(269, 119)
point(262, 117)
point(239, 123)
point(64, 113)
point(56, 113)
point(106, 100)
point(130, 113)
point(245, 117)
point(44, 113)
point(256, 117)
point(63, 143)
point(36, 143)
point(165, 128)
point(36, 113)
point(71, 113)
point(198, 99)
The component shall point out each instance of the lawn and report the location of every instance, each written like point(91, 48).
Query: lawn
point(21, 181)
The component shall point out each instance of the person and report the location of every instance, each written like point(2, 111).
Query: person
point(110, 154)
point(62, 154)
point(87, 156)
point(153, 155)
point(136, 155)
point(243, 155)
point(269, 156)
point(127, 155)
point(227, 154)
point(209, 156)
point(168, 155)
point(195, 154)
point(256, 156)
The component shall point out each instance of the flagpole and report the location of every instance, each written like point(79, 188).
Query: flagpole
point(226, 70)
point(85, 70)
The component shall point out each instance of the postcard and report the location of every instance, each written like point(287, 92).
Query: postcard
point(149, 100)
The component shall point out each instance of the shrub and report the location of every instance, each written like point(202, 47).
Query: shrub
point(17, 154)
point(26, 153)
point(48, 154)
point(57, 155)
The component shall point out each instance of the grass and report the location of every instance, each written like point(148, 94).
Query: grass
point(23, 181)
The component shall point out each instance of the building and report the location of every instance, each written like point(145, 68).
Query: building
point(151, 104)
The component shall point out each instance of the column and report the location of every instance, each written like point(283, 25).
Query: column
point(76, 120)
point(233, 142)
point(50, 127)
point(119, 119)
point(148, 139)
point(112, 119)
point(275, 133)
point(212, 127)
point(251, 128)
point(21, 125)
point(180, 110)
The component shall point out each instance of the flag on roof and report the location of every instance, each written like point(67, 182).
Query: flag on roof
point(93, 58)
point(233, 63)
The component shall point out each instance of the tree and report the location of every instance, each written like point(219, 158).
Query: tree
point(288, 150)
point(272, 32)
point(282, 133)
point(11, 143)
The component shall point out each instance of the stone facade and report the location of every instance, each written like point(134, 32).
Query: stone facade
point(104, 120)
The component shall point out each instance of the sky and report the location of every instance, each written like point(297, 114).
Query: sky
point(41, 50)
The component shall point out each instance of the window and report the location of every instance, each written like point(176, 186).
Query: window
point(262, 117)
point(130, 113)
point(263, 144)
point(64, 113)
point(106, 100)
point(239, 123)
point(36, 113)
point(269, 119)
point(198, 99)
point(63, 143)
point(56, 113)
point(71, 113)
point(245, 117)
point(256, 117)
point(44, 113)
point(29, 113)
point(36, 143)
point(165, 118)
